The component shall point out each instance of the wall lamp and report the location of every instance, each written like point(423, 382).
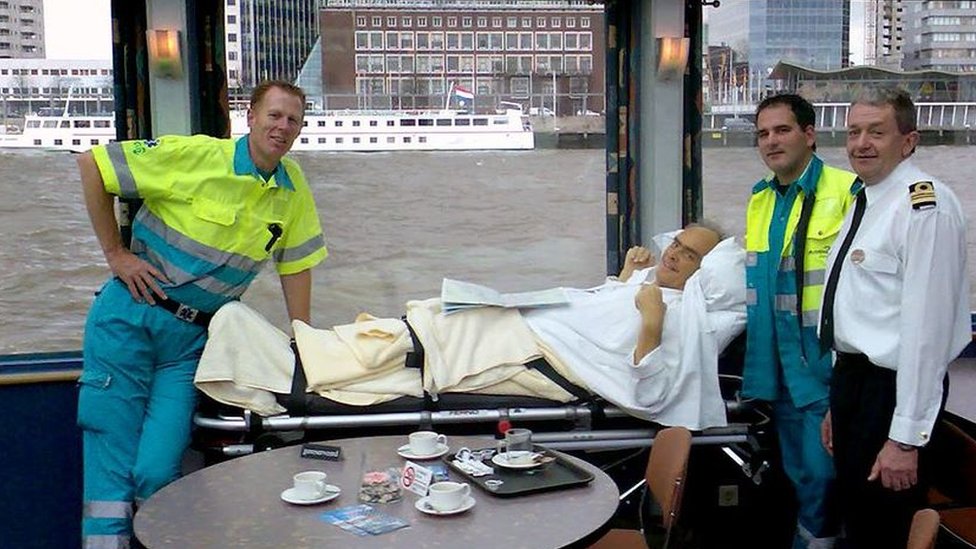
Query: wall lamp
point(165, 60)
point(672, 56)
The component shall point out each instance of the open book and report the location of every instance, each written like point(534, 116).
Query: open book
point(459, 296)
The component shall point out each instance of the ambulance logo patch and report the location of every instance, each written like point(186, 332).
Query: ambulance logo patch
point(922, 195)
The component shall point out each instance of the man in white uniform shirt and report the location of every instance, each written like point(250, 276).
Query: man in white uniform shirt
point(896, 311)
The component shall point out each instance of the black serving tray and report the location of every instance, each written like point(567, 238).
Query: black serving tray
point(555, 475)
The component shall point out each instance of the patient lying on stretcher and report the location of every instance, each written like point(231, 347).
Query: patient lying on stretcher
point(647, 341)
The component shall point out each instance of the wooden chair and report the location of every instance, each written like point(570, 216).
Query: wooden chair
point(925, 528)
point(665, 478)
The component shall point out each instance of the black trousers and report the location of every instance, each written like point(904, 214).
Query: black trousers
point(862, 403)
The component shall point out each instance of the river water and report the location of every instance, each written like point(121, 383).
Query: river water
point(395, 224)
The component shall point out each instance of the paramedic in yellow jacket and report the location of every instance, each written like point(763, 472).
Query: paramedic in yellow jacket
point(215, 211)
point(792, 219)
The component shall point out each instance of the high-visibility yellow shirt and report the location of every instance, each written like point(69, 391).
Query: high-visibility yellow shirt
point(209, 220)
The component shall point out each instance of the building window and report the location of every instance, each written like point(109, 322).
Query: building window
point(511, 22)
point(482, 22)
point(421, 21)
point(526, 22)
point(570, 22)
point(391, 22)
point(452, 21)
point(406, 21)
point(555, 22)
point(585, 41)
point(466, 22)
point(361, 21)
point(377, 21)
point(540, 22)
point(496, 22)
point(585, 22)
point(435, 21)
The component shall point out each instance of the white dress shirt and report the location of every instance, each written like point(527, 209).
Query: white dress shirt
point(903, 294)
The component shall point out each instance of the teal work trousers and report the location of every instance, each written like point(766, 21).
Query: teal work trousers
point(135, 406)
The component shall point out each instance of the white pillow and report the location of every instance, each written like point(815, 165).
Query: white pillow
point(723, 276)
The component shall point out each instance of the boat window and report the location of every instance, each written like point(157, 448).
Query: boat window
point(373, 123)
point(103, 124)
point(58, 142)
point(422, 139)
point(82, 123)
point(33, 123)
point(408, 122)
point(355, 123)
point(50, 123)
point(443, 121)
point(462, 121)
point(391, 139)
point(338, 123)
point(65, 124)
point(37, 142)
point(499, 121)
point(321, 123)
point(93, 142)
point(372, 140)
point(304, 141)
point(406, 139)
point(426, 122)
point(322, 140)
point(73, 142)
point(304, 123)
point(339, 140)
point(480, 121)
point(355, 140)
point(391, 123)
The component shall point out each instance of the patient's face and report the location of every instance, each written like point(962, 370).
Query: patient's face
point(683, 257)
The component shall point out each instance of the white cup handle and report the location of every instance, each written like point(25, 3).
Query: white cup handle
point(442, 439)
point(320, 486)
point(466, 490)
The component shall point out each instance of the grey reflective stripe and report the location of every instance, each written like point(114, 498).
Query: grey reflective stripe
point(752, 297)
point(194, 248)
point(786, 303)
point(108, 509)
point(815, 278)
point(127, 183)
point(308, 248)
point(787, 264)
point(752, 259)
point(210, 284)
point(107, 542)
point(811, 318)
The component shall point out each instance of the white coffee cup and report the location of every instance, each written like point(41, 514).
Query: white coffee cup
point(309, 485)
point(448, 496)
point(424, 443)
point(518, 446)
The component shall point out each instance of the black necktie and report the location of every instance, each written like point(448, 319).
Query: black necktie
point(827, 310)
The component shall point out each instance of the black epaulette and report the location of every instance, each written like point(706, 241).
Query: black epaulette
point(922, 195)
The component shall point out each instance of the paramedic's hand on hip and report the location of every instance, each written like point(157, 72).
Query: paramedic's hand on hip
point(638, 257)
point(827, 434)
point(137, 274)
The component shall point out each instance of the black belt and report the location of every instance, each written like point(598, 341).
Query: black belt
point(185, 312)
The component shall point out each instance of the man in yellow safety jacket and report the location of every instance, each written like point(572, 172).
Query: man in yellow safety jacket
point(792, 219)
point(214, 212)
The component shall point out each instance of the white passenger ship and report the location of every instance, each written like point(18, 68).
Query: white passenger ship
point(323, 131)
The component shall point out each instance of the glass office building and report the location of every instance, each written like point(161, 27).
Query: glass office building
point(811, 33)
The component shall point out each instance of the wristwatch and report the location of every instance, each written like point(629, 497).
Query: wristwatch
point(904, 447)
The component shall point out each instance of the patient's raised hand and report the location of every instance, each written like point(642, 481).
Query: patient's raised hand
point(638, 257)
point(650, 303)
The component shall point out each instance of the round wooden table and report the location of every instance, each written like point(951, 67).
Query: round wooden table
point(237, 504)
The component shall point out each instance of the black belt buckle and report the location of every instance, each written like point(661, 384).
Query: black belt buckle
point(186, 314)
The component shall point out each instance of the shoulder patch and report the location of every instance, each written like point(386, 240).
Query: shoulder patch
point(922, 195)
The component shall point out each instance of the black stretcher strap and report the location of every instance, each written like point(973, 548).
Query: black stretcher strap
point(296, 402)
point(540, 365)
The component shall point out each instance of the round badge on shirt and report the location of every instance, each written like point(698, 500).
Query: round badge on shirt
point(857, 256)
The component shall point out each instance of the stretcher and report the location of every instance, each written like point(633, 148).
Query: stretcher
point(588, 423)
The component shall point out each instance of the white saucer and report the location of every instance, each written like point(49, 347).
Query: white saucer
point(332, 492)
point(425, 507)
point(404, 451)
point(501, 460)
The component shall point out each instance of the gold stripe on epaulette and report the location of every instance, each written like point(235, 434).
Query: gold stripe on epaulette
point(922, 195)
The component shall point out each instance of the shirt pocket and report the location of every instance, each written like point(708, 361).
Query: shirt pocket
point(877, 261)
point(214, 212)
